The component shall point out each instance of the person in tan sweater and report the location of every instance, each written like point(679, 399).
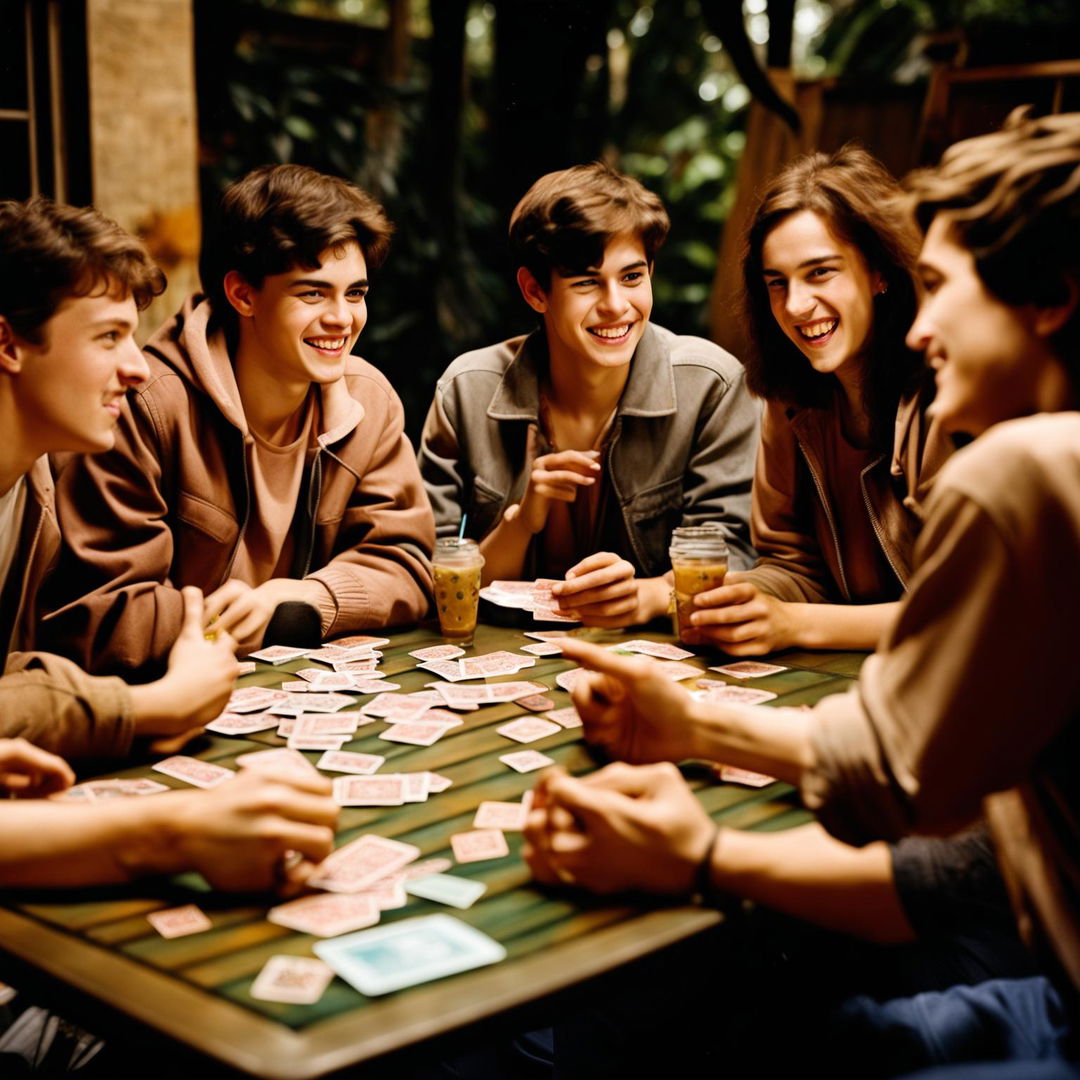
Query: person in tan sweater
point(260, 460)
point(970, 705)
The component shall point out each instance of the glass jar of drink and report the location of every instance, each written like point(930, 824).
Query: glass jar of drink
point(456, 567)
point(699, 559)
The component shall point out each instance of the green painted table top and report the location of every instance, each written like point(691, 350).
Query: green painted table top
point(195, 988)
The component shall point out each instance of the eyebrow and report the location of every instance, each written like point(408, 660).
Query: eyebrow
point(592, 271)
point(313, 283)
point(816, 261)
point(101, 324)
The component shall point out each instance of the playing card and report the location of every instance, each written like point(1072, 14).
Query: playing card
point(547, 635)
point(318, 679)
point(438, 652)
point(569, 679)
point(300, 741)
point(278, 654)
point(407, 952)
point(293, 980)
point(396, 705)
point(437, 783)
point(660, 649)
point(389, 893)
point(280, 759)
point(541, 648)
point(296, 686)
point(327, 915)
point(355, 641)
point(509, 816)
point(347, 761)
point(732, 775)
point(488, 694)
point(734, 695)
point(415, 732)
point(361, 862)
point(566, 718)
point(142, 785)
point(246, 667)
point(248, 699)
point(524, 761)
point(458, 892)
point(528, 729)
point(478, 845)
point(416, 787)
point(677, 670)
point(749, 669)
point(387, 790)
point(363, 685)
point(535, 703)
point(179, 921)
point(203, 774)
point(369, 667)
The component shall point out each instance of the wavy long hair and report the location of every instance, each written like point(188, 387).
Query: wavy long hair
point(859, 201)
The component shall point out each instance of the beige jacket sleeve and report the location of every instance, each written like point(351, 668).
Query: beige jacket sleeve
point(54, 704)
point(978, 674)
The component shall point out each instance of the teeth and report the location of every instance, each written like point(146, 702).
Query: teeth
point(326, 343)
point(609, 331)
point(817, 329)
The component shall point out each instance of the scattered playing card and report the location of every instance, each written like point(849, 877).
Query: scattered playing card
point(354, 641)
point(347, 761)
point(278, 654)
point(362, 862)
point(203, 774)
point(566, 718)
point(296, 686)
point(535, 703)
point(734, 695)
point(458, 892)
point(247, 699)
point(542, 648)
point(388, 790)
point(246, 667)
point(509, 816)
point(396, 705)
point(478, 845)
point(660, 649)
point(437, 783)
point(548, 635)
point(318, 679)
point(526, 760)
point(415, 732)
point(438, 652)
point(749, 669)
point(416, 787)
point(733, 775)
point(179, 921)
point(569, 679)
point(326, 915)
point(528, 729)
point(407, 952)
point(364, 685)
point(316, 742)
point(280, 759)
point(293, 980)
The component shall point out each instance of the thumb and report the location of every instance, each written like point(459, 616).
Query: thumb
point(192, 625)
point(587, 803)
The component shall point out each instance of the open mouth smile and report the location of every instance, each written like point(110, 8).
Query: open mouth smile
point(611, 335)
point(328, 345)
point(817, 332)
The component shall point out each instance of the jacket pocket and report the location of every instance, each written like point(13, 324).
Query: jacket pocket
point(205, 518)
point(652, 516)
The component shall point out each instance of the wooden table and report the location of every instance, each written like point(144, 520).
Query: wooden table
point(195, 989)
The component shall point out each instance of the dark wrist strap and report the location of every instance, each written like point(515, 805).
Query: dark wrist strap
point(701, 892)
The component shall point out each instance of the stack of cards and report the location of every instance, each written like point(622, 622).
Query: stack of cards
point(534, 596)
point(749, 669)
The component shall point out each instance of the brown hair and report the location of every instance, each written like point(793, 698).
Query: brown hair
point(282, 216)
point(855, 196)
point(49, 252)
point(566, 219)
point(1012, 200)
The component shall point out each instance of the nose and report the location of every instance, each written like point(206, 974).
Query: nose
point(918, 337)
point(612, 301)
point(338, 313)
point(799, 301)
point(132, 368)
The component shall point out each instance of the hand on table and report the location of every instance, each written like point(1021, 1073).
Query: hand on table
point(624, 827)
point(244, 611)
point(555, 477)
point(628, 708)
point(603, 591)
point(27, 771)
point(195, 687)
point(742, 620)
point(238, 835)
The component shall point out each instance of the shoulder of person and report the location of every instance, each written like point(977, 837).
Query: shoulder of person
point(477, 364)
point(369, 385)
point(689, 352)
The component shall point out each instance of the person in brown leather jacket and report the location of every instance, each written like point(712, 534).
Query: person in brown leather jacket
point(847, 451)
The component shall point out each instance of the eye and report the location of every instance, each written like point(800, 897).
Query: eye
point(775, 284)
point(583, 283)
point(634, 277)
point(110, 337)
point(357, 294)
point(930, 285)
point(310, 294)
point(819, 273)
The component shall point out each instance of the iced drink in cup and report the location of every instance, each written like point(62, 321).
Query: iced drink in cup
point(699, 558)
point(456, 567)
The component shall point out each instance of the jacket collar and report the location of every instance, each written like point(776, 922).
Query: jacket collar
point(649, 390)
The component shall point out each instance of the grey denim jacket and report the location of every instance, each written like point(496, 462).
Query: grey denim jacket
point(681, 448)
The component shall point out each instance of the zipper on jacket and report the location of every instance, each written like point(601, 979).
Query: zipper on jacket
point(247, 512)
point(874, 521)
point(828, 517)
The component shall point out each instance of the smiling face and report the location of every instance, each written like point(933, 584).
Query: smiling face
point(69, 388)
point(821, 293)
point(299, 327)
point(595, 318)
point(992, 361)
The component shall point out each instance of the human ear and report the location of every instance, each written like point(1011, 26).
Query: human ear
point(238, 292)
point(10, 351)
point(532, 290)
point(1048, 319)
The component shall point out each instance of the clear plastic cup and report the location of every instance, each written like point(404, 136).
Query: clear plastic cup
point(456, 567)
point(699, 558)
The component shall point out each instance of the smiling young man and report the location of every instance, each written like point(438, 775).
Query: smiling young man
point(576, 450)
point(71, 286)
point(972, 703)
point(260, 461)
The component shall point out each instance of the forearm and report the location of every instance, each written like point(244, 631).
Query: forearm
point(504, 550)
point(772, 741)
point(806, 873)
point(654, 597)
point(45, 843)
point(840, 626)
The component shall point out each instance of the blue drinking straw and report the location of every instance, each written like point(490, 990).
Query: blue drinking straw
point(461, 528)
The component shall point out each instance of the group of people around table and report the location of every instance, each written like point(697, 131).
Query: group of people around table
point(160, 508)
